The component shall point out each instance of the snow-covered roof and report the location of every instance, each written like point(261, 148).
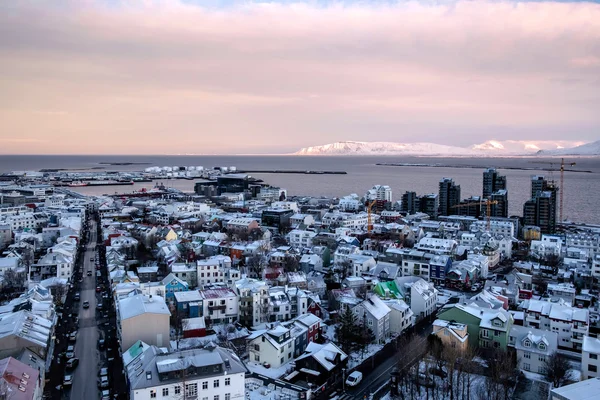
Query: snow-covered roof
point(591, 345)
point(139, 304)
point(324, 354)
point(377, 308)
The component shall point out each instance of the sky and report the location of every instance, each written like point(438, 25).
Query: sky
point(233, 77)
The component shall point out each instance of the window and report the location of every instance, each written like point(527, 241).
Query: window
point(257, 357)
point(542, 346)
point(216, 383)
point(177, 389)
point(227, 396)
point(592, 368)
point(526, 367)
point(527, 343)
point(205, 385)
point(216, 397)
point(165, 392)
point(152, 394)
point(191, 389)
point(593, 356)
point(542, 358)
point(527, 355)
point(227, 381)
point(256, 347)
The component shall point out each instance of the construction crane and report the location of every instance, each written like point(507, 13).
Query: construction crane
point(488, 203)
point(369, 222)
point(562, 180)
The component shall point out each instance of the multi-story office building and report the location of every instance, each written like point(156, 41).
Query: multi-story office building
point(500, 209)
point(540, 210)
point(449, 196)
point(410, 202)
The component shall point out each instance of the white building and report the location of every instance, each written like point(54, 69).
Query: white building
point(421, 296)
point(590, 364)
point(212, 270)
point(375, 314)
point(570, 323)
point(219, 306)
point(380, 193)
point(301, 239)
point(211, 373)
point(253, 301)
point(504, 228)
point(533, 347)
point(401, 316)
point(274, 346)
point(361, 264)
point(437, 246)
point(350, 203)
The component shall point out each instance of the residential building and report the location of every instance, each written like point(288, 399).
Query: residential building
point(375, 315)
point(401, 316)
point(410, 203)
point(253, 301)
point(271, 346)
point(320, 362)
point(584, 390)
point(590, 363)
point(19, 381)
point(300, 239)
point(219, 305)
point(452, 334)
point(211, 372)
point(533, 347)
point(379, 193)
point(421, 296)
point(212, 270)
point(570, 323)
point(143, 318)
point(487, 328)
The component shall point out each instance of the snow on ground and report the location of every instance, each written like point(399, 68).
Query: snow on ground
point(532, 376)
point(329, 331)
point(359, 356)
point(274, 373)
point(255, 390)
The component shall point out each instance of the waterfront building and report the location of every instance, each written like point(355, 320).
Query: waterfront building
point(449, 196)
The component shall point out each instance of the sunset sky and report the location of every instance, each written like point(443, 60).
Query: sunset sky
point(227, 77)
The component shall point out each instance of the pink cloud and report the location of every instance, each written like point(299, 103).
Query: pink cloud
point(287, 76)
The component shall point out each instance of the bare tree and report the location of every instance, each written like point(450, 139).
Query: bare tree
point(557, 370)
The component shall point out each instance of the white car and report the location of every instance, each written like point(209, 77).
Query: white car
point(354, 378)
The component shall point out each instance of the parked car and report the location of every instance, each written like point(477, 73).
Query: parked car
point(86, 304)
point(98, 289)
point(101, 344)
point(68, 380)
point(354, 378)
point(99, 306)
point(103, 382)
point(77, 296)
point(73, 336)
point(70, 352)
point(105, 395)
point(103, 372)
point(72, 363)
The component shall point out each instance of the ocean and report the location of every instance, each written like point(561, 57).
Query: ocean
point(581, 190)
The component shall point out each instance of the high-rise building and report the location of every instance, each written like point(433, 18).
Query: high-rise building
point(470, 207)
point(540, 210)
point(410, 203)
point(492, 182)
point(501, 208)
point(429, 204)
point(449, 196)
point(538, 185)
point(380, 193)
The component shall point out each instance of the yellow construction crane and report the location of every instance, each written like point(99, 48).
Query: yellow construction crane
point(561, 188)
point(369, 222)
point(488, 203)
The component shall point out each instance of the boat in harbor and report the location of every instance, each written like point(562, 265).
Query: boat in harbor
point(77, 184)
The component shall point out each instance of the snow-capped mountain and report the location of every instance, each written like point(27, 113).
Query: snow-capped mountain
point(491, 148)
point(384, 148)
point(588, 149)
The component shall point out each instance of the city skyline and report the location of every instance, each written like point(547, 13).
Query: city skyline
point(170, 77)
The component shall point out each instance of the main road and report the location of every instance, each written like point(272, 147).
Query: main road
point(85, 375)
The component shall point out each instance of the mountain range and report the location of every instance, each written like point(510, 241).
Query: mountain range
point(491, 148)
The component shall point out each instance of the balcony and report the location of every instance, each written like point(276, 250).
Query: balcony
point(580, 328)
point(221, 307)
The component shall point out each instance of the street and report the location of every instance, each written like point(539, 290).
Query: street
point(85, 375)
point(379, 375)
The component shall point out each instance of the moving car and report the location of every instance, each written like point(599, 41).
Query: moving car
point(89, 273)
point(86, 304)
point(354, 378)
point(72, 363)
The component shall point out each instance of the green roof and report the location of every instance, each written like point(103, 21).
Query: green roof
point(388, 290)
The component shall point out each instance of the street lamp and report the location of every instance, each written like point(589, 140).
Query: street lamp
point(343, 380)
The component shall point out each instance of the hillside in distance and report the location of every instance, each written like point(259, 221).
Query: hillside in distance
point(588, 149)
point(491, 148)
